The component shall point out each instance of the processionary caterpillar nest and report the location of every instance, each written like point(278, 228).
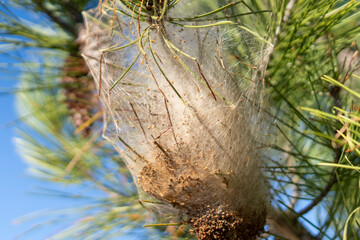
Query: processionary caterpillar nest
point(183, 113)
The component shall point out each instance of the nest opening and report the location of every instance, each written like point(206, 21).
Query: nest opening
point(201, 197)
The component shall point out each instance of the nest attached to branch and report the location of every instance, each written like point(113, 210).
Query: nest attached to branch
point(184, 117)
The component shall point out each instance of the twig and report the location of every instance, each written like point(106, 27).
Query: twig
point(137, 117)
point(171, 125)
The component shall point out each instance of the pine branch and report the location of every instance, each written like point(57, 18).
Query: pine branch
point(335, 94)
point(298, 32)
point(61, 22)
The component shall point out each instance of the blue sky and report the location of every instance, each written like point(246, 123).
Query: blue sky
point(15, 183)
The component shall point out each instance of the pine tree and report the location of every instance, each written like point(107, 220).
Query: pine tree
point(311, 88)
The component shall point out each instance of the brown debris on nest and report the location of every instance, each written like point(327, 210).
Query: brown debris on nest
point(204, 198)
